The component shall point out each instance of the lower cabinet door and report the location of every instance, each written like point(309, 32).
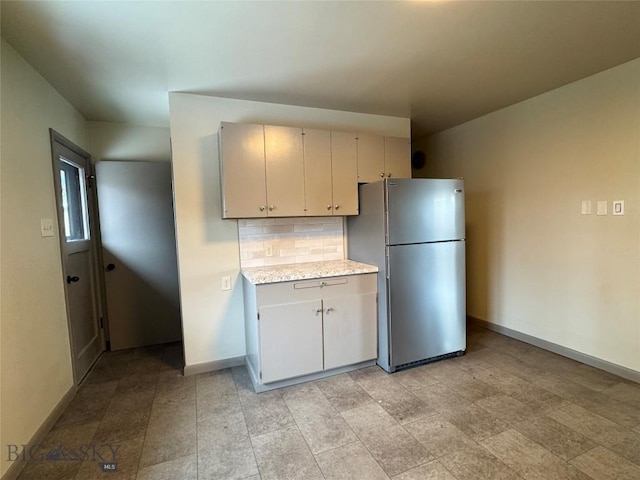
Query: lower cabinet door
point(290, 340)
point(350, 330)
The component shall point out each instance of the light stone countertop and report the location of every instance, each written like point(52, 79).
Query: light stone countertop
point(303, 271)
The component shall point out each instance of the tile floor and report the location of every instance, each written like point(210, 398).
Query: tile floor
point(506, 410)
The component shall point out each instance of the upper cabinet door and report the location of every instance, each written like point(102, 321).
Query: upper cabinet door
point(285, 171)
point(317, 172)
point(370, 158)
point(397, 157)
point(242, 171)
point(344, 172)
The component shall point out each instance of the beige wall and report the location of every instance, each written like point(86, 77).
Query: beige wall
point(207, 245)
point(535, 264)
point(35, 352)
point(120, 141)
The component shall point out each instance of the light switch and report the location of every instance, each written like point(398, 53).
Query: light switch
point(46, 227)
point(602, 207)
point(226, 282)
point(586, 207)
point(618, 207)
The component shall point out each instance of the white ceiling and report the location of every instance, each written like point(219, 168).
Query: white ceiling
point(440, 63)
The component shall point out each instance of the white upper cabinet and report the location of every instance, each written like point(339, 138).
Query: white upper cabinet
point(344, 173)
point(271, 171)
point(283, 151)
point(317, 172)
point(370, 157)
point(242, 171)
point(397, 157)
point(380, 157)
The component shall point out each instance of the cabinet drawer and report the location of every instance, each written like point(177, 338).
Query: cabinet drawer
point(302, 290)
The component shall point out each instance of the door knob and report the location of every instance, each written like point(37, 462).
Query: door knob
point(73, 279)
point(110, 267)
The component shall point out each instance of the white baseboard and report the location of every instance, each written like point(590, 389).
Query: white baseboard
point(619, 370)
point(16, 467)
point(213, 365)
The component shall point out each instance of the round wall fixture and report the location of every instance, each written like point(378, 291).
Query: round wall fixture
point(417, 160)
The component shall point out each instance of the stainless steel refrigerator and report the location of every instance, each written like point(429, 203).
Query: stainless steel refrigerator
point(413, 230)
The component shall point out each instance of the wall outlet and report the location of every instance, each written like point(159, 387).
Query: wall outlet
point(46, 227)
point(226, 282)
point(268, 250)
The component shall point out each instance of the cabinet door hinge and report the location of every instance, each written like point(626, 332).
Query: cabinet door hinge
point(260, 374)
point(258, 316)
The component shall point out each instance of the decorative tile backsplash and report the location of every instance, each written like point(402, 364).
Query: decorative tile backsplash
point(278, 241)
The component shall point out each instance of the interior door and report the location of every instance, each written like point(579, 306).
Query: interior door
point(75, 197)
point(139, 253)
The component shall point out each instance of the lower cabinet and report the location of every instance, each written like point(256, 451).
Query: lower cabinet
point(299, 328)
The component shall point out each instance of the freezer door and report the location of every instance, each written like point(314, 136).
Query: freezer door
point(427, 308)
point(424, 210)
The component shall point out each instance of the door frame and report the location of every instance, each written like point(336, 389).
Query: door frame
point(94, 233)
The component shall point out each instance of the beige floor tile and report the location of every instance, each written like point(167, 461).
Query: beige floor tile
point(343, 393)
point(477, 464)
point(625, 392)
point(351, 461)
point(126, 454)
point(560, 440)
point(184, 468)
point(224, 430)
point(506, 408)
point(616, 438)
point(602, 464)
point(441, 398)
point(390, 444)
point(321, 425)
point(622, 413)
point(563, 388)
point(438, 436)
point(593, 378)
point(472, 389)
point(228, 462)
point(89, 404)
point(476, 422)
point(413, 378)
point(529, 459)
point(428, 471)
point(284, 455)
point(265, 412)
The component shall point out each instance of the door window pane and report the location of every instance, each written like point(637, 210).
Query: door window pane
point(74, 201)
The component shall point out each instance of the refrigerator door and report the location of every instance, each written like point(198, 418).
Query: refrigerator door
point(423, 210)
point(426, 309)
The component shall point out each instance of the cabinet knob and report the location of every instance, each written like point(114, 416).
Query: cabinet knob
point(389, 174)
point(262, 207)
point(330, 309)
point(382, 174)
point(322, 284)
point(337, 207)
point(328, 207)
point(271, 207)
point(318, 310)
